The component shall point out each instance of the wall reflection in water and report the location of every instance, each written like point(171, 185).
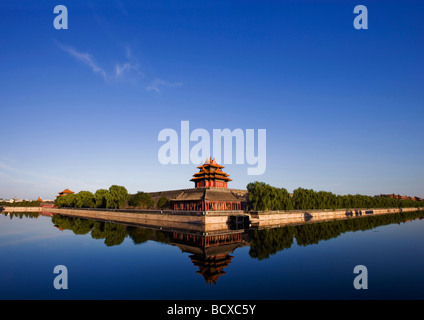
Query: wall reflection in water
point(212, 252)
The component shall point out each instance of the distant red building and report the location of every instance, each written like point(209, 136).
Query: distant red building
point(398, 196)
point(64, 193)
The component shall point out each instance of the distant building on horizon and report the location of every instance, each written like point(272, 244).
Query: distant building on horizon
point(7, 200)
point(64, 193)
point(15, 200)
point(398, 196)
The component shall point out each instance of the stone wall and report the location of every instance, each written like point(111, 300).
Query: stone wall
point(211, 220)
point(271, 218)
point(21, 209)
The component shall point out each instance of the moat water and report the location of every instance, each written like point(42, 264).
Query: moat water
point(113, 261)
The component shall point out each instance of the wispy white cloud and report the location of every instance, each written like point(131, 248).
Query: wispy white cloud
point(129, 71)
point(7, 167)
point(131, 65)
point(29, 239)
point(157, 83)
point(121, 70)
point(16, 180)
point(7, 159)
point(85, 58)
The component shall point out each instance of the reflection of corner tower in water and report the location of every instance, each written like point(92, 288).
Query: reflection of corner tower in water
point(211, 268)
point(210, 253)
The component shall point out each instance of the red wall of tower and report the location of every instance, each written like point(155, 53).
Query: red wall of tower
point(207, 183)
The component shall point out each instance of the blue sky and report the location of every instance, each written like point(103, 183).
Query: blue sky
point(82, 108)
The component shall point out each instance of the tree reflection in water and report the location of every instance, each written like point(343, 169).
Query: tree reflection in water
point(264, 243)
point(211, 253)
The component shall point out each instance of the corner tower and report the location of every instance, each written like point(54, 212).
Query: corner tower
point(210, 175)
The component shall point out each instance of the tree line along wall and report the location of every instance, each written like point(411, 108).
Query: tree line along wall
point(115, 197)
point(265, 197)
point(261, 197)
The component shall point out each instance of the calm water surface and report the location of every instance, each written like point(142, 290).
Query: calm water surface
point(113, 261)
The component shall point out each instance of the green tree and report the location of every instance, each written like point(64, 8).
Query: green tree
point(59, 202)
point(66, 201)
point(264, 197)
point(101, 197)
point(118, 197)
point(141, 199)
point(163, 202)
point(84, 199)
